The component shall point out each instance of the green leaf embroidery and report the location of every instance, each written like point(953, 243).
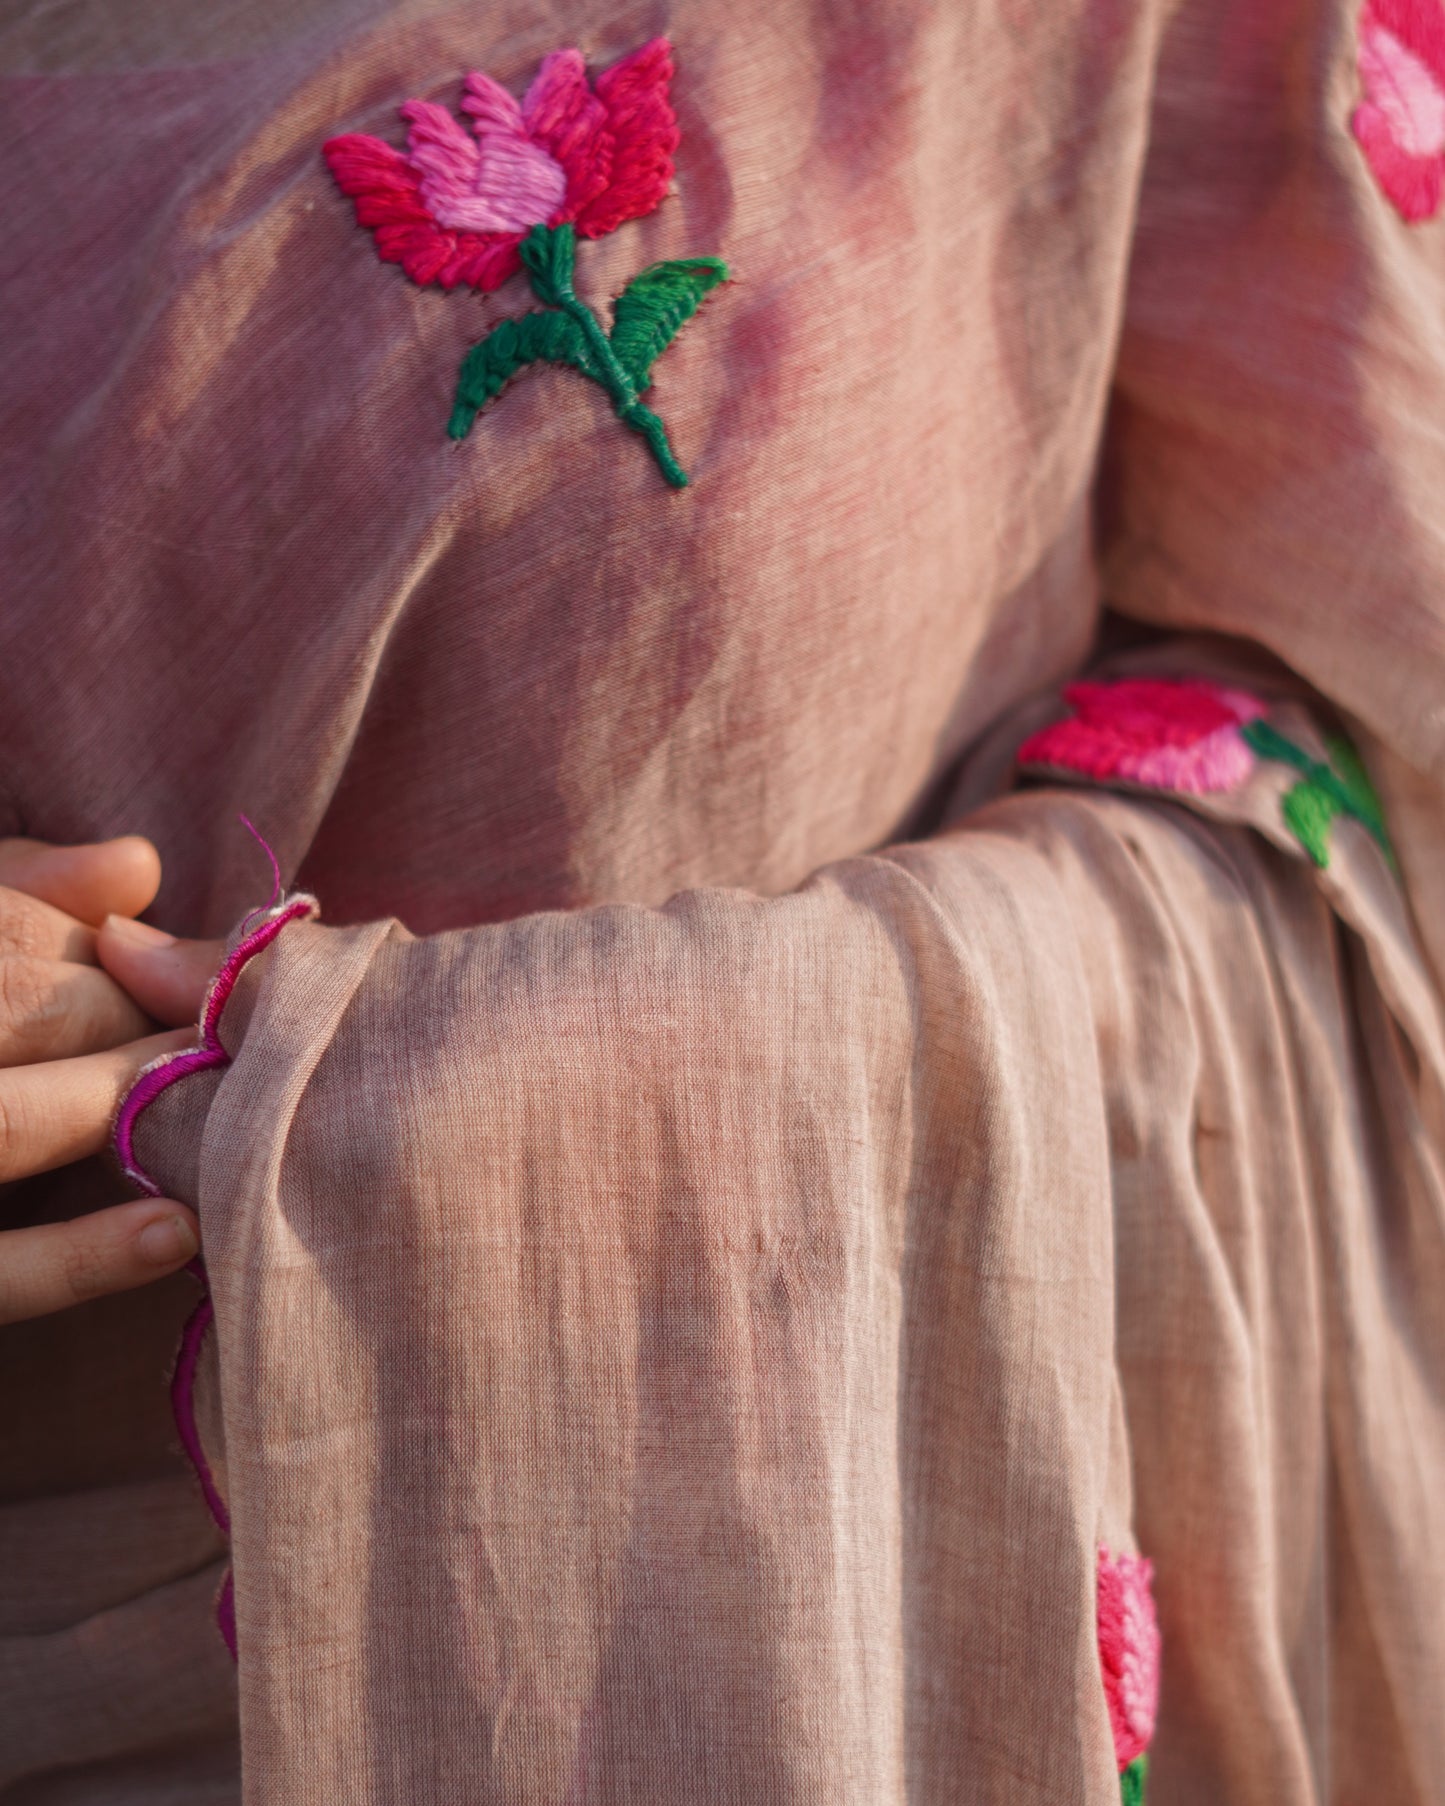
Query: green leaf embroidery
point(653, 308)
point(648, 315)
point(1309, 811)
point(1131, 1782)
point(509, 347)
point(1269, 743)
point(1342, 787)
point(1355, 781)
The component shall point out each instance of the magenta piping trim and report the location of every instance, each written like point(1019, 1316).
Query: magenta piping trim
point(161, 1074)
point(226, 1612)
point(153, 1080)
point(183, 1398)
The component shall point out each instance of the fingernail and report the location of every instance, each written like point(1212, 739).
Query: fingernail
point(140, 934)
point(169, 1240)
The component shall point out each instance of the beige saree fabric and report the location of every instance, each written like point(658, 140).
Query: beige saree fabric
point(630, 1431)
point(693, 1348)
point(1275, 459)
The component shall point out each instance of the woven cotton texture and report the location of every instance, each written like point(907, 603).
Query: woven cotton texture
point(691, 1304)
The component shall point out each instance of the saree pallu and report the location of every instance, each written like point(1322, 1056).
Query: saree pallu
point(744, 1191)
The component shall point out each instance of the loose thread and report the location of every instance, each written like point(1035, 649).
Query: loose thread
point(265, 847)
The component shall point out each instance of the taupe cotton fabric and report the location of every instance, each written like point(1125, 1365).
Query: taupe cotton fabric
point(693, 1300)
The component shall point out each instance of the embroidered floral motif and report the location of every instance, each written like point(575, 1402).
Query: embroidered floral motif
point(1400, 124)
point(531, 178)
point(1342, 787)
point(1196, 738)
point(1129, 1649)
point(1163, 733)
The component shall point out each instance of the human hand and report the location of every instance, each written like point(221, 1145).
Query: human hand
point(71, 1043)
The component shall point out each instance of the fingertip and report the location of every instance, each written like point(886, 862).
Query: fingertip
point(170, 1238)
point(167, 977)
point(52, 1266)
point(135, 873)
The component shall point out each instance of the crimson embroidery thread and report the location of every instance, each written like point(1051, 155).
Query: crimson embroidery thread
point(1129, 1652)
point(1165, 733)
point(159, 1076)
point(1198, 738)
point(568, 161)
point(1400, 123)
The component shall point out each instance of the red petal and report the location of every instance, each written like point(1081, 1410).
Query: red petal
point(483, 262)
point(1119, 729)
point(565, 117)
point(1412, 184)
point(1418, 24)
point(1150, 711)
point(644, 134)
point(387, 198)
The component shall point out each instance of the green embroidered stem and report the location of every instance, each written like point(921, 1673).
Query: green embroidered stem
point(1131, 1782)
point(648, 315)
point(1325, 791)
point(548, 253)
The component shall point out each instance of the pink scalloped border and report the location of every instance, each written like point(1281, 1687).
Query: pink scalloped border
point(159, 1076)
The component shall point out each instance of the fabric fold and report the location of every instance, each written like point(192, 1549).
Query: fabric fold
point(583, 1369)
point(617, 1386)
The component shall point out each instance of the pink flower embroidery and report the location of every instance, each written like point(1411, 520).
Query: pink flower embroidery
point(1169, 734)
point(456, 205)
point(1400, 125)
point(1128, 1652)
point(519, 190)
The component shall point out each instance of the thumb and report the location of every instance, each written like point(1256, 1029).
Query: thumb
point(166, 977)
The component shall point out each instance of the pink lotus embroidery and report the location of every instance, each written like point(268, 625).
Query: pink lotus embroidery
point(1129, 1649)
point(1165, 733)
point(517, 186)
point(1400, 125)
point(456, 205)
point(1194, 737)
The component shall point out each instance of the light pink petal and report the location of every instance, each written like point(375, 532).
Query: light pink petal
point(564, 116)
point(1403, 90)
point(518, 186)
point(443, 155)
point(1220, 761)
point(490, 107)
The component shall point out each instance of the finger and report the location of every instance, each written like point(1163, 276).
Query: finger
point(167, 977)
point(50, 1010)
point(53, 1114)
point(30, 929)
point(59, 1264)
point(88, 882)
